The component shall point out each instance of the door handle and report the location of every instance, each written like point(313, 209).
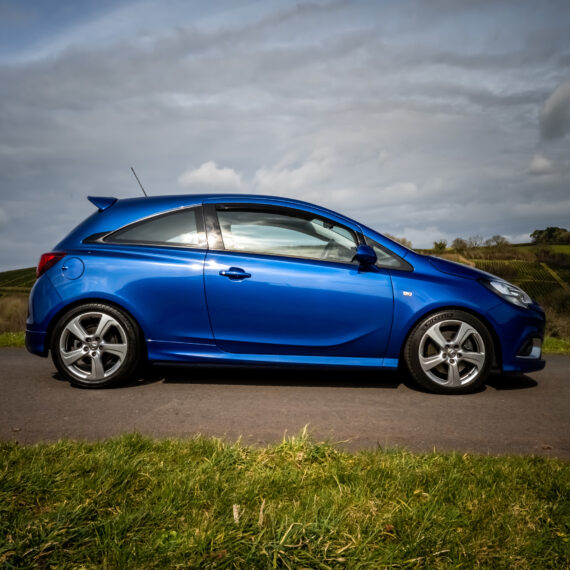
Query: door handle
point(235, 273)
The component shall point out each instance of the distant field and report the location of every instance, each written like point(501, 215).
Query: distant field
point(537, 279)
point(557, 248)
point(18, 280)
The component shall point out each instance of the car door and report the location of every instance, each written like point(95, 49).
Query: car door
point(281, 280)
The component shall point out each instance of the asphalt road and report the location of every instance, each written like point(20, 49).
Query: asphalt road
point(522, 415)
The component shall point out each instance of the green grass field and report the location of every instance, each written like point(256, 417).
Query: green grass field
point(556, 248)
point(12, 339)
point(556, 345)
point(537, 279)
point(17, 280)
point(201, 503)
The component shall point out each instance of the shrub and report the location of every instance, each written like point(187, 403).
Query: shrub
point(552, 234)
point(404, 241)
point(459, 245)
point(440, 246)
point(13, 312)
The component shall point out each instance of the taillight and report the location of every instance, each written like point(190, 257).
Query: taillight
point(48, 260)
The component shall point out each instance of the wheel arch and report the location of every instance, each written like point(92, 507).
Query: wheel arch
point(85, 301)
point(497, 354)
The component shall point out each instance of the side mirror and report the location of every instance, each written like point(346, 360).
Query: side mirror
point(365, 255)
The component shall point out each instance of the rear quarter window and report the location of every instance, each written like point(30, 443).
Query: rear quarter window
point(179, 228)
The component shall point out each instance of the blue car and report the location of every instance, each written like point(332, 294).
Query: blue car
point(244, 279)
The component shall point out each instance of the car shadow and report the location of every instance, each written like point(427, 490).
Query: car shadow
point(296, 376)
point(314, 377)
point(510, 382)
point(276, 376)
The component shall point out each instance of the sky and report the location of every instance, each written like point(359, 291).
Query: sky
point(426, 120)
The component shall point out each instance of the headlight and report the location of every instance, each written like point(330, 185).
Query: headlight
point(508, 292)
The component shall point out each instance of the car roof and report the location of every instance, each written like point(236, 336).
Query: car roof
point(176, 200)
point(115, 213)
point(146, 206)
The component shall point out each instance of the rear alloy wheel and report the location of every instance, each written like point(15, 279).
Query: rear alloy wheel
point(450, 352)
point(96, 345)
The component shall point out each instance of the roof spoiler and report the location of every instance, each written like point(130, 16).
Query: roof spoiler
point(101, 202)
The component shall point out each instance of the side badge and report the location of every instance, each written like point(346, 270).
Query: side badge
point(407, 293)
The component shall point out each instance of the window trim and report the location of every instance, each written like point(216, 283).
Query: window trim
point(216, 242)
point(107, 237)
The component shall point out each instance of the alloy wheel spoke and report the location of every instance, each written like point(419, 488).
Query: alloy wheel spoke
point(97, 369)
point(453, 377)
point(72, 356)
point(75, 328)
point(464, 332)
point(104, 324)
point(435, 334)
point(476, 358)
point(429, 362)
point(117, 349)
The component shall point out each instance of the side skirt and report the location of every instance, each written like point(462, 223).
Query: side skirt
point(159, 351)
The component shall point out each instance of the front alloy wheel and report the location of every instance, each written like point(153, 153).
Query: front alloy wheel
point(450, 352)
point(95, 345)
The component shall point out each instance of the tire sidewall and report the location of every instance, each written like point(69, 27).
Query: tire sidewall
point(134, 352)
point(411, 351)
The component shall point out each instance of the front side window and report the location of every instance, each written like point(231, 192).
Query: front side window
point(280, 232)
point(179, 228)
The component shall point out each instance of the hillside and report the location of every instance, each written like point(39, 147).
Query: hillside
point(17, 280)
point(537, 279)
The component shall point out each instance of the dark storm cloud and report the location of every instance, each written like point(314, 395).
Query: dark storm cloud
point(555, 115)
point(418, 118)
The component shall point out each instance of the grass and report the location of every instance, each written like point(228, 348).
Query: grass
point(18, 278)
point(13, 312)
point(556, 345)
point(557, 247)
point(201, 503)
point(537, 279)
point(12, 339)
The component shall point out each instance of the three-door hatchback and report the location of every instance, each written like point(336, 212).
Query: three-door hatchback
point(257, 279)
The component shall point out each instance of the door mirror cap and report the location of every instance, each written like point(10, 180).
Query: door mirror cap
point(365, 255)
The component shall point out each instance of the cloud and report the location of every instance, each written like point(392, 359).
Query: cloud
point(555, 114)
point(399, 192)
point(208, 174)
point(288, 178)
point(402, 126)
point(424, 237)
point(540, 165)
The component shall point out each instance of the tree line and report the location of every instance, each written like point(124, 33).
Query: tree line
point(548, 236)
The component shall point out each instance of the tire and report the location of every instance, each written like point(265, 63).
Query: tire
point(449, 352)
point(96, 345)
